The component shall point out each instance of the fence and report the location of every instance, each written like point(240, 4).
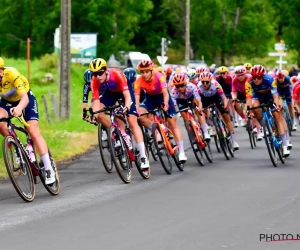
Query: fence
point(54, 107)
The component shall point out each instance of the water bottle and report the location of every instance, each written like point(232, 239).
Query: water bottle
point(30, 152)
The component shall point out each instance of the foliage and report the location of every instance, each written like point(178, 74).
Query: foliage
point(219, 29)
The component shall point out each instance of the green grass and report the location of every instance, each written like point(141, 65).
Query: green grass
point(65, 138)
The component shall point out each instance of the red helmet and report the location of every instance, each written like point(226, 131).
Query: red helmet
point(179, 78)
point(145, 65)
point(280, 74)
point(206, 76)
point(168, 71)
point(240, 70)
point(294, 79)
point(200, 70)
point(258, 70)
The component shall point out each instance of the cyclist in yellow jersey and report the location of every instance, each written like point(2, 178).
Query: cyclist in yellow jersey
point(17, 98)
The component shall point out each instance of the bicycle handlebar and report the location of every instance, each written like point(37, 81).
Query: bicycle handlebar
point(20, 118)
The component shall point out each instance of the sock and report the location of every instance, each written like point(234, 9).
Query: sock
point(232, 135)
point(293, 120)
point(204, 128)
point(287, 135)
point(180, 146)
point(141, 148)
point(284, 140)
point(46, 160)
point(236, 117)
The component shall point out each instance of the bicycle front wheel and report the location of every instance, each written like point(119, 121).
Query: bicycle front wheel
point(104, 150)
point(18, 169)
point(250, 133)
point(268, 133)
point(288, 119)
point(220, 131)
point(194, 143)
point(119, 153)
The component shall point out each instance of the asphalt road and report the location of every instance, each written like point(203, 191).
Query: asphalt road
point(223, 205)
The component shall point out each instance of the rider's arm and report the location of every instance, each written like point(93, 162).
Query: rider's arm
point(274, 92)
point(127, 98)
point(23, 102)
point(20, 84)
point(234, 89)
point(85, 97)
point(165, 95)
point(248, 91)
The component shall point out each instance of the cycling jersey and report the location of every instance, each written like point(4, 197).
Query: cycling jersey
point(296, 91)
point(13, 84)
point(153, 87)
point(286, 83)
point(239, 86)
point(194, 81)
point(191, 91)
point(215, 89)
point(117, 82)
point(226, 83)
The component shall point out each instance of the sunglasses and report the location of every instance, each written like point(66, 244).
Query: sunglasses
point(257, 77)
point(222, 73)
point(205, 82)
point(248, 68)
point(99, 73)
point(180, 86)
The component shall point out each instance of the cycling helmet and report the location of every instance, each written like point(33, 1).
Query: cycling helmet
point(145, 65)
point(179, 78)
point(192, 73)
point(248, 65)
point(1, 63)
point(88, 75)
point(223, 69)
point(258, 70)
point(97, 65)
point(239, 70)
point(200, 70)
point(168, 71)
point(294, 79)
point(130, 74)
point(280, 74)
point(206, 76)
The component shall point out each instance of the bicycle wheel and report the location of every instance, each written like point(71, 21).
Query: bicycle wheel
point(217, 142)
point(288, 119)
point(18, 168)
point(268, 135)
point(53, 188)
point(250, 132)
point(228, 139)
point(120, 155)
point(149, 144)
point(194, 143)
point(207, 150)
point(175, 156)
point(279, 145)
point(145, 173)
point(162, 151)
point(105, 151)
point(222, 137)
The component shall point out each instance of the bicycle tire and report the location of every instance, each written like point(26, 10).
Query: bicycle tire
point(175, 156)
point(288, 119)
point(269, 142)
point(279, 149)
point(221, 137)
point(144, 174)
point(119, 154)
point(194, 143)
point(228, 140)
point(250, 133)
point(217, 142)
point(103, 147)
point(149, 144)
point(207, 150)
point(53, 188)
point(28, 196)
point(161, 149)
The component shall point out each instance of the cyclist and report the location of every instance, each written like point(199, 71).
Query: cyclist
point(199, 70)
point(238, 92)
point(114, 85)
point(211, 92)
point(131, 77)
point(296, 93)
point(184, 92)
point(18, 98)
point(284, 88)
point(225, 80)
point(157, 95)
point(192, 75)
point(87, 76)
point(260, 88)
point(248, 67)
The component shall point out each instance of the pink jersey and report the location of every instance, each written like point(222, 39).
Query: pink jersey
point(154, 87)
point(238, 86)
point(296, 91)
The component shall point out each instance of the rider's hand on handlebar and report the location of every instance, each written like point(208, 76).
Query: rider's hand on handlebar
point(165, 106)
point(16, 112)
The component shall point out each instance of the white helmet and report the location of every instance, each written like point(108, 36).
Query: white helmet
point(191, 73)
